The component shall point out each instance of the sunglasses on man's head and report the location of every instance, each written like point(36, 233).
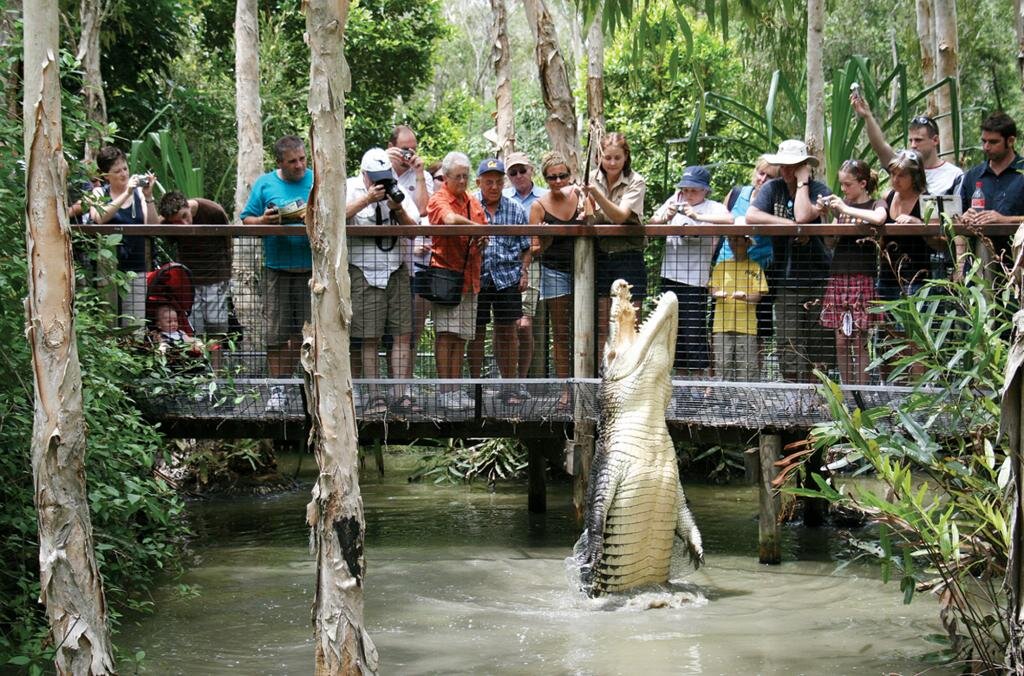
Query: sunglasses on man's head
point(515, 171)
point(556, 177)
point(924, 121)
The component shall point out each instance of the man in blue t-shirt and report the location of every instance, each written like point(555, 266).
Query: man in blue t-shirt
point(279, 197)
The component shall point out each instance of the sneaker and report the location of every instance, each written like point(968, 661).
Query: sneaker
point(278, 401)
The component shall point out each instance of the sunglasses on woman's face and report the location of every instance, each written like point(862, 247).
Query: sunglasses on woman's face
point(556, 177)
point(438, 177)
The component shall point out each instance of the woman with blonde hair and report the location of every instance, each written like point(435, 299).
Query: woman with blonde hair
point(560, 206)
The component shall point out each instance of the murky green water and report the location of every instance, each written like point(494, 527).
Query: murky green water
point(463, 581)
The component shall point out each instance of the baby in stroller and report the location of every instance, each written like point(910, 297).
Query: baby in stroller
point(169, 299)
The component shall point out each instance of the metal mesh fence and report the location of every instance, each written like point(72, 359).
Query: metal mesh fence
point(757, 314)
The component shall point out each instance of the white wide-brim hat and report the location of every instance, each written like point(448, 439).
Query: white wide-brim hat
point(792, 152)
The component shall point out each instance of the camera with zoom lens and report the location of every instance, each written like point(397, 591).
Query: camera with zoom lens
point(391, 188)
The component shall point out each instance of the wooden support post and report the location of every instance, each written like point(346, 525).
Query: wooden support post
point(769, 538)
point(537, 501)
point(378, 454)
point(582, 447)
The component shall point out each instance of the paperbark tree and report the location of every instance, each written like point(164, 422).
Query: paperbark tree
point(925, 16)
point(506, 123)
point(91, 14)
point(814, 126)
point(554, 83)
point(595, 87)
point(335, 513)
point(248, 107)
point(70, 583)
point(947, 51)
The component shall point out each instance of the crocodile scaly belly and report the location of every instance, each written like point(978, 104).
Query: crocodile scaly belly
point(640, 526)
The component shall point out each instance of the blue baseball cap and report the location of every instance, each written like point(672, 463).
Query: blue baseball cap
point(695, 177)
point(489, 165)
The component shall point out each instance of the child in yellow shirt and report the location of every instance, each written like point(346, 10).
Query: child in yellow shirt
point(736, 285)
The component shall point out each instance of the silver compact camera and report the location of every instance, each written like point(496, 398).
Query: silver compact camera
point(407, 154)
point(143, 181)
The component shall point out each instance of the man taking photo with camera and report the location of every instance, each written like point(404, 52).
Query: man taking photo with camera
point(408, 166)
point(381, 296)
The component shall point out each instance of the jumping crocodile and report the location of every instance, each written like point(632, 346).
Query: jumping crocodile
point(635, 503)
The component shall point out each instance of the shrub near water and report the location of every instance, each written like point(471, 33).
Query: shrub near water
point(137, 519)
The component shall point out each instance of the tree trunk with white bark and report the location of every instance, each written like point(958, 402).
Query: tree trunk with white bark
point(506, 122)
point(554, 84)
point(335, 513)
point(9, 79)
point(91, 14)
point(947, 50)
point(814, 129)
point(595, 86)
point(926, 34)
point(70, 583)
point(248, 106)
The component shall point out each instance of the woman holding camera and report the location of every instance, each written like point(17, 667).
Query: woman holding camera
point(125, 199)
point(122, 199)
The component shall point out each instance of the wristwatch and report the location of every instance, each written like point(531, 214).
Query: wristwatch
point(800, 184)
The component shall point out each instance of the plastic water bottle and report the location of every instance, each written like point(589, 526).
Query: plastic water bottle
point(978, 198)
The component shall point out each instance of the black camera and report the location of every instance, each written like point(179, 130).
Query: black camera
point(143, 181)
point(407, 154)
point(390, 186)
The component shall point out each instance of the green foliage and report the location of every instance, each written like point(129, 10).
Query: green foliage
point(658, 107)
point(489, 459)
point(138, 521)
point(942, 509)
point(167, 155)
point(389, 47)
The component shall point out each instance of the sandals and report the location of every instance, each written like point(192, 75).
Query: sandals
point(406, 405)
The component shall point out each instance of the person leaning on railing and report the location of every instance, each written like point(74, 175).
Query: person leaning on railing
point(798, 275)
point(453, 205)
point(686, 266)
point(126, 200)
point(1001, 175)
point(561, 205)
point(851, 283)
point(279, 197)
point(615, 195)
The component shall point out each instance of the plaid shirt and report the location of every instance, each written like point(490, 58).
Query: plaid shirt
point(503, 257)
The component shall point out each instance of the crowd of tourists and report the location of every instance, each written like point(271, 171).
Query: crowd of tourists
point(809, 296)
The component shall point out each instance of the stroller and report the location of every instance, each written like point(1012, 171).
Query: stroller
point(170, 285)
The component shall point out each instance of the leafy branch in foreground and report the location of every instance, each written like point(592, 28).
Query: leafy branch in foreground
point(942, 508)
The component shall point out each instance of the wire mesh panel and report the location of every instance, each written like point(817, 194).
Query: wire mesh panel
point(493, 334)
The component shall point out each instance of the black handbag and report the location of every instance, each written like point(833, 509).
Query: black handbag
point(438, 285)
point(441, 285)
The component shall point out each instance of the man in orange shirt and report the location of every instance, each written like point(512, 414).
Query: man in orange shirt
point(452, 205)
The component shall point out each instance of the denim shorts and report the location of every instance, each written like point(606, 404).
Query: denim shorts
point(554, 284)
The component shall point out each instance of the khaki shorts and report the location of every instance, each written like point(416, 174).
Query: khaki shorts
point(532, 294)
point(376, 311)
point(460, 320)
point(286, 306)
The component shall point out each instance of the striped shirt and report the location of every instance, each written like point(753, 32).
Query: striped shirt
point(503, 257)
